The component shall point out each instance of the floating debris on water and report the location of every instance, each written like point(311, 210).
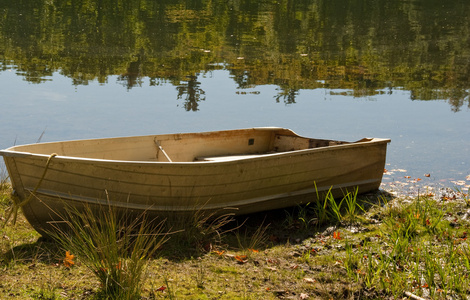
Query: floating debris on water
point(408, 186)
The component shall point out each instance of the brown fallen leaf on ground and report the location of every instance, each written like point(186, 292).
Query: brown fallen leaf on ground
point(241, 259)
point(161, 289)
point(68, 260)
point(337, 235)
point(309, 280)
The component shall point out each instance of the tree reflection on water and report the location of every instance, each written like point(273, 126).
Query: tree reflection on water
point(367, 47)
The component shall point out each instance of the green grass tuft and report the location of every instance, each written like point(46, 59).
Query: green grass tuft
point(114, 247)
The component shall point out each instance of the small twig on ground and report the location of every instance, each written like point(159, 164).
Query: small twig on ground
point(413, 296)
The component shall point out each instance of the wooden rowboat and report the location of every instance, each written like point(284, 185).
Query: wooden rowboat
point(246, 171)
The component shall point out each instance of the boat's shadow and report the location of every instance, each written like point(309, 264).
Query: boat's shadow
point(258, 231)
point(42, 251)
point(295, 225)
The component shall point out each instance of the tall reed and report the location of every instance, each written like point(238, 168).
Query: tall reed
point(114, 246)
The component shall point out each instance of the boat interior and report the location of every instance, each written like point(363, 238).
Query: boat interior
point(184, 147)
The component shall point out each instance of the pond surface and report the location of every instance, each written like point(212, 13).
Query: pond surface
point(324, 69)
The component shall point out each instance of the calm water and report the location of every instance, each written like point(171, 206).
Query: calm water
point(322, 68)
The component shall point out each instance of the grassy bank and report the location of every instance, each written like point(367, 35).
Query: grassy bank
point(366, 247)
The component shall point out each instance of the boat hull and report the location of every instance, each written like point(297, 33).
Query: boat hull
point(158, 188)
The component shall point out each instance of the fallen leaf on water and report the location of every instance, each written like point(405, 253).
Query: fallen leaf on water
point(427, 175)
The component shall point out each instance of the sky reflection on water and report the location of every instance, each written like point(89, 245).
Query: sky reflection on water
point(427, 136)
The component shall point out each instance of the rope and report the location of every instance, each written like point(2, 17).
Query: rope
point(13, 210)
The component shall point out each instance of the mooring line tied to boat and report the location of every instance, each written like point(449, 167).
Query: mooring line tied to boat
point(13, 210)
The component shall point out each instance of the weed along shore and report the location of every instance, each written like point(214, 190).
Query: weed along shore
point(375, 246)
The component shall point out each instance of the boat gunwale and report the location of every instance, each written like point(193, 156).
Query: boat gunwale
point(12, 153)
point(157, 135)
